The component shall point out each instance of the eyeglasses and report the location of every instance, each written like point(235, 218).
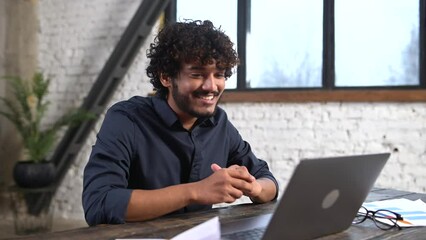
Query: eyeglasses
point(384, 219)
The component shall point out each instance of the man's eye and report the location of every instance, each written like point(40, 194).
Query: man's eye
point(196, 75)
point(220, 75)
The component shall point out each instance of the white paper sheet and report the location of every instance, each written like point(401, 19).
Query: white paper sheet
point(208, 230)
point(412, 212)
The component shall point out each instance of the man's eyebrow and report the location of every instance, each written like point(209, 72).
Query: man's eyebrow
point(199, 67)
point(196, 67)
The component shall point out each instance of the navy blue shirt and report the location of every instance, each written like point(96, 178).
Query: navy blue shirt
point(143, 145)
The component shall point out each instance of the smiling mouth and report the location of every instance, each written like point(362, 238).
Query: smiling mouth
point(209, 96)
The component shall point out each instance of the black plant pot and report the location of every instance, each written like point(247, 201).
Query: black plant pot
point(34, 175)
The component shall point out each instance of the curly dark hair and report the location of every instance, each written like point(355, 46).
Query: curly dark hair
point(191, 42)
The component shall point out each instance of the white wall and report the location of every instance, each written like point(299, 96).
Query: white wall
point(76, 38)
point(284, 133)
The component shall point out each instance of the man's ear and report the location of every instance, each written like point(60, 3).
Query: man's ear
point(165, 80)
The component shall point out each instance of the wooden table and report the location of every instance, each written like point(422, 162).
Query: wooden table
point(169, 226)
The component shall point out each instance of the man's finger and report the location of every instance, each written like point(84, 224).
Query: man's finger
point(215, 167)
point(242, 171)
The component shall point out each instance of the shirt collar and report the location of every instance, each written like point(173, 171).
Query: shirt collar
point(169, 117)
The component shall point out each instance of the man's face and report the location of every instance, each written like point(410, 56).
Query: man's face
point(196, 90)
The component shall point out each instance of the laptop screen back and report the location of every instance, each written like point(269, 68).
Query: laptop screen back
point(324, 195)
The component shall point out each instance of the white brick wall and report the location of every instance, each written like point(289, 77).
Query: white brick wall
point(76, 38)
point(282, 134)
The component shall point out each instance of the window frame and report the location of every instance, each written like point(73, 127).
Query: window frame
point(328, 91)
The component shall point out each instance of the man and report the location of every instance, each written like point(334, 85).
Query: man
point(176, 151)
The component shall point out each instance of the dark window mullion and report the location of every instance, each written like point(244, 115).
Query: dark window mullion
point(170, 12)
point(243, 28)
point(422, 43)
point(328, 65)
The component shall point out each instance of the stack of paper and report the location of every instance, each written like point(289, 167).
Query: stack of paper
point(412, 212)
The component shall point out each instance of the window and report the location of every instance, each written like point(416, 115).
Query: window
point(284, 44)
point(197, 10)
point(299, 48)
point(381, 48)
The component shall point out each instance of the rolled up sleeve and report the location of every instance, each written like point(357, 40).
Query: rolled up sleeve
point(105, 195)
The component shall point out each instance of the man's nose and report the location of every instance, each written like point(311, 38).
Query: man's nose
point(209, 83)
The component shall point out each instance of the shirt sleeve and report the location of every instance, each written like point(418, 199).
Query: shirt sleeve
point(105, 181)
point(241, 154)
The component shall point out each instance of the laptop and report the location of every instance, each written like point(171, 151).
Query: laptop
point(322, 197)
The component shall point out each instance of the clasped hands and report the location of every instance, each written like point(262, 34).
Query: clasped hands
point(227, 185)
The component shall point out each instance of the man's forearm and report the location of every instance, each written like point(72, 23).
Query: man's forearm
point(268, 192)
point(149, 204)
point(222, 186)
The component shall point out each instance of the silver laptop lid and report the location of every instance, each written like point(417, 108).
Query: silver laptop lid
point(324, 195)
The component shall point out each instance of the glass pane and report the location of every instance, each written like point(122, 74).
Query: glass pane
point(284, 46)
point(218, 14)
point(377, 42)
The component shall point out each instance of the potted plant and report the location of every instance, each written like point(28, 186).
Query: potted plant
point(26, 112)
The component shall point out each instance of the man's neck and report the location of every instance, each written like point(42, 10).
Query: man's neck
point(187, 123)
point(185, 119)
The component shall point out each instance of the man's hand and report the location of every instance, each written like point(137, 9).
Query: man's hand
point(226, 185)
point(253, 190)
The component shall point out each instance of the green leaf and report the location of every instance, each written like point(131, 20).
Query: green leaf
point(27, 111)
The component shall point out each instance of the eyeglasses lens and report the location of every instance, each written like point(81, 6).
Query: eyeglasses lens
point(360, 216)
point(385, 219)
